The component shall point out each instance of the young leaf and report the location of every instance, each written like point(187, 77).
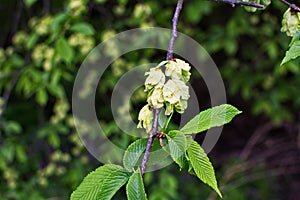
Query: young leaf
point(162, 119)
point(102, 183)
point(135, 187)
point(177, 146)
point(213, 117)
point(292, 53)
point(202, 166)
point(64, 50)
point(133, 153)
point(83, 28)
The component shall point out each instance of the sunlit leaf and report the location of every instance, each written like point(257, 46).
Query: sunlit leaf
point(292, 53)
point(135, 187)
point(177, 147)
point(202, 166)
point(213, 117)
point(102, 183)
point(133, 153)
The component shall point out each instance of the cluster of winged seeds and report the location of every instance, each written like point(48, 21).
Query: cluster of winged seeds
point(166, 87)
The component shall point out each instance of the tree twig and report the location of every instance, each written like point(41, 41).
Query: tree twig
point(157, 111)
point(233, 3)
point(7, 92)
point(293, 7)
point(150, 141)
point(174, 30)
point(256, 136)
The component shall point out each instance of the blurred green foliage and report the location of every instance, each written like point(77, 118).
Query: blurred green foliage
point(41, 155)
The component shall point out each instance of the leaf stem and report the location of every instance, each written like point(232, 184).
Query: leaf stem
point(157, 111)
point(233, 3)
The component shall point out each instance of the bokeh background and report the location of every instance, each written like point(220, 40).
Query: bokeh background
point(42, 44)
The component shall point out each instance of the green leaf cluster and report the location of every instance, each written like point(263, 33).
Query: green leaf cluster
point(104, 182)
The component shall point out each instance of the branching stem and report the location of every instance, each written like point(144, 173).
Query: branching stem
point(293, 7)
point(233, 3)
point(153, 132)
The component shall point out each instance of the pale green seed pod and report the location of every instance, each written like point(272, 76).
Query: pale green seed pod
point(156, 78)
point(156, 99)
point(290, 22)
point(145, 118)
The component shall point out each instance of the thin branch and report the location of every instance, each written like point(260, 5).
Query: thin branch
point(8, 91)
point(157, 111)
point(17, 17)
point(150, 141)
point(261, 175)
point(293, 7)
point(174, 30)
point(46, 6)
point(233, 3)
point(255, 138)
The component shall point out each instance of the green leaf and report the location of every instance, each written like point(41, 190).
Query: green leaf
point(202, 166)
point(54, 140)
point(292, 53)
point(64, 50)
point(32, 40)
point(177, 146)
point(295, 38)
point(83, 28)
point(162, 119)
point(29, 3)
point(57, 22)
point(56, 90)
point(41, 97)
point(213, 117)
point(12, 127)
point(135, 187)
point(133, 153)
point(21, 153)
point(168, 121)
point(102, 183)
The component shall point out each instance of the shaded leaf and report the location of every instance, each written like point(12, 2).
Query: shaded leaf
point(135, 187)
point(29, 3)
point(102, 183)
point(41, 97)
point(64, 50)
point(177, 146)
point(213, 117)
point(202, 166)
point(83, 28)
point(162, 119)
point(133, 153)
